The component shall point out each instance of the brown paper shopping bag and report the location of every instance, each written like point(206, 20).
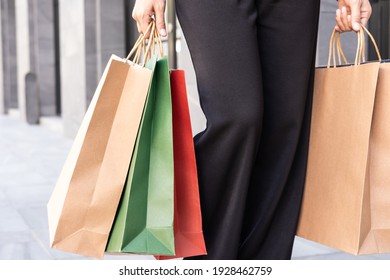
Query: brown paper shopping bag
point(346, 202)
point(84, 202)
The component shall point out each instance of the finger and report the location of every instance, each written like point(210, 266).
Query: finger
point(344, 19)
point(160, 20)
point(337, 28)
point(137, 16)
point(364, 21)
point(146, 20)
point(365, 14)
point(350, 22)
point(355, 14)
point(139, 28)
point(339, 21)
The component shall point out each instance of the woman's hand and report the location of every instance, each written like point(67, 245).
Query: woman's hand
point(352, 13)
point(143, 12)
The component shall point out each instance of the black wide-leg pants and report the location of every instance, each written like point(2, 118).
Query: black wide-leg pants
point(254, 63)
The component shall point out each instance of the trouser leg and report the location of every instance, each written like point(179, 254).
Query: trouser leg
point(227, 56)
point(287, 41)
point(222, 39)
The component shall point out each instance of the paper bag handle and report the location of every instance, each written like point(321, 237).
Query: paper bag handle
point(146, 46)
point(335, 45)
point(155, 38)
point(139, 45)
point(363, 49)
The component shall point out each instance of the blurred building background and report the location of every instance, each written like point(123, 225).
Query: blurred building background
point(52, 53)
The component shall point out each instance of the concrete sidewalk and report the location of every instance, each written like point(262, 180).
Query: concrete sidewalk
point(31, 158)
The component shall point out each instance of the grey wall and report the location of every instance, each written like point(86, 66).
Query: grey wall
point(72, 45)
point(22, 52)
point(104, 35)
point(379, 27)
point(44, 52)
point(8, 39)
point(110, 31)
point(2, 109)
point(36, 53)
point(91, 45)
point(91, 30)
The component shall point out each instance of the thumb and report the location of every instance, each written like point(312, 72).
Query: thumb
point(160, 21)
point(355, 15)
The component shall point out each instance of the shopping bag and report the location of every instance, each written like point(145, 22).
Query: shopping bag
point(346, 203)
point(189, 239)
point(83, 204)
point(144, 220)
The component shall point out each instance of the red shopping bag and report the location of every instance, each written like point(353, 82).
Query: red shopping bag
point(188, 232)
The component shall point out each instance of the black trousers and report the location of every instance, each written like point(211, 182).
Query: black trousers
point(254, 62)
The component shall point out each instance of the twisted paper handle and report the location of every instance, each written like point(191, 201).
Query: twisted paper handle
point(146, 47)
point(335, 46)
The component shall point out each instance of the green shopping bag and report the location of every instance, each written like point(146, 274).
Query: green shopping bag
point(144, 220)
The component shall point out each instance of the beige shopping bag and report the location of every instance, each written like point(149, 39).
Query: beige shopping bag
point(346, 202)
point(82, 207)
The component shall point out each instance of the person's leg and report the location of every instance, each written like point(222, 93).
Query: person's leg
point(287, 42)
point(222, 39)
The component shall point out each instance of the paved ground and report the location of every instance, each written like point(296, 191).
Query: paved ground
point(31, 158)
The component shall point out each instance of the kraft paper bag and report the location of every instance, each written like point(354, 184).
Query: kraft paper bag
point(346, 203)
point(83, 204)
point(189, 240)
point(144, 221)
